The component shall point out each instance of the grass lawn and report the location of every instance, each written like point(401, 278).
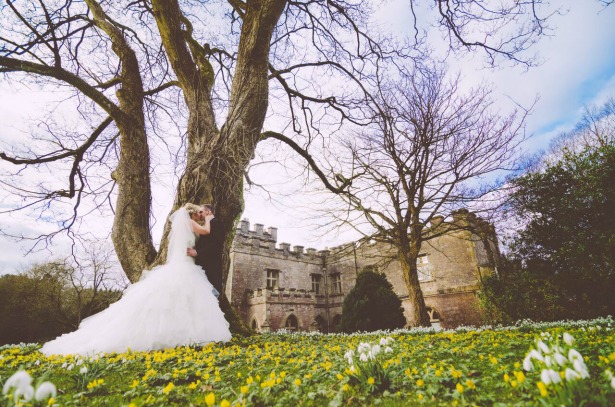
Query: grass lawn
point(564, 363)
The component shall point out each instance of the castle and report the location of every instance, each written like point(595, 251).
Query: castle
point(273, 286)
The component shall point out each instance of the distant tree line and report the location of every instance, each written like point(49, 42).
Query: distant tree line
point(53, 298)
point(561, 263)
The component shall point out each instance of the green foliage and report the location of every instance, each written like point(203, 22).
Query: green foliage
point(39, 305)
point(519, 293)
point(467, 367)
point(372, 305)
point(566, 253)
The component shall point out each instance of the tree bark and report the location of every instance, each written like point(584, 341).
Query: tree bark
point(408, 254)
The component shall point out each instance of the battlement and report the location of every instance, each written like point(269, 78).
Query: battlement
point(265, 242)
point(292, 295)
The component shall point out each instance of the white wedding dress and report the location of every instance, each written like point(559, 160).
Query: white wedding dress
point(171, 305)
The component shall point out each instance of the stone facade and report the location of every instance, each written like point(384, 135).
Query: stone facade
point(275, 286)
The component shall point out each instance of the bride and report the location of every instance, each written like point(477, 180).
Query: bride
point(171, 305)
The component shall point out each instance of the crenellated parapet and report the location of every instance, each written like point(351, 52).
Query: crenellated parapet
point(261, 241)
point(290, 295)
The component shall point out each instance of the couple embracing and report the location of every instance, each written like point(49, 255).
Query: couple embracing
point(171, 305)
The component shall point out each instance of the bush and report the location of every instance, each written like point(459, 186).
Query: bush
point(372, 305)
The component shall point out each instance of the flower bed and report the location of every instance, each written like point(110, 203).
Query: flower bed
point(527, 364)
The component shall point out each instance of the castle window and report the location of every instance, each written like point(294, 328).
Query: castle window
point(254, 324)
point(336, 283)
point(273, 278)
point(291, 323)
point(423, 268)
point(316, 283)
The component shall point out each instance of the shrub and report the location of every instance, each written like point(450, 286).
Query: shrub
point(372, 305)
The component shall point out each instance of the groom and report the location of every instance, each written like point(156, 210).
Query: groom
point(208, 248)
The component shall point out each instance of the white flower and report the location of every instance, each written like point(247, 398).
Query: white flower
point(83, 370)
point(573, 355)
point(548, 361)
point(549, 376)
point(613, 382)
point(363, 357)
point(70, 367)
point(534, 354)
point(45, 390)
point(527, 363)
point(572, 375)
point(568, 339)
point(388, 349)
point(580, 367)
point(543, 347)
point(376, 350)
point(383, 342)
point(26, 393)
point(364, 347)
point(560, 359)
point(19, 380)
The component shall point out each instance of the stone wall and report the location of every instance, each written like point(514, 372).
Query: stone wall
point(450, 269)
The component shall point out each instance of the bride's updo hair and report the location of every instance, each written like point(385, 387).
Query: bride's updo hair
point(192, 209)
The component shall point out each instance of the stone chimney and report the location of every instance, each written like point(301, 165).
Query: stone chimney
point(274, 233)
point(258, 228)
point(285, 247)
point(298, 249)
point(244, 226)
point(311, 251)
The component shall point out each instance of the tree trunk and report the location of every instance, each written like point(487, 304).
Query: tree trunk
point(408, 258)
point(217, 160)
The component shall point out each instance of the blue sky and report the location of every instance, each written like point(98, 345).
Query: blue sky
point(578, 70)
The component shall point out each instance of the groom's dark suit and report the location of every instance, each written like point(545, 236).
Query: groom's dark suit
point(209, 254)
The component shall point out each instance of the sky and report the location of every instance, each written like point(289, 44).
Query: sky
point(578, 70)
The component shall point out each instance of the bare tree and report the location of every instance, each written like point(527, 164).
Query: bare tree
point(130, 65)
point(79, 289)
point(432, 150)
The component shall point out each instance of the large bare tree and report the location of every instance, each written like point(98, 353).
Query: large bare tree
point(213, 67)
point(434, 149)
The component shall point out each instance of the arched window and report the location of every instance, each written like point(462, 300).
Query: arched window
point(291, 323)
point(254, 324)
point(434, 317)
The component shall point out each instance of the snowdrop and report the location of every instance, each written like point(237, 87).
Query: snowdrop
point(549, 376)
point(83, 370)
point(45, 390)
point(560, 359)
point(573, 355)
point(19, 380)
point(349, 356)
point(527, 364)
point(19, 385)
point(543, 347)
point(571, 375)
point(580, 367)
point(568, 339)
